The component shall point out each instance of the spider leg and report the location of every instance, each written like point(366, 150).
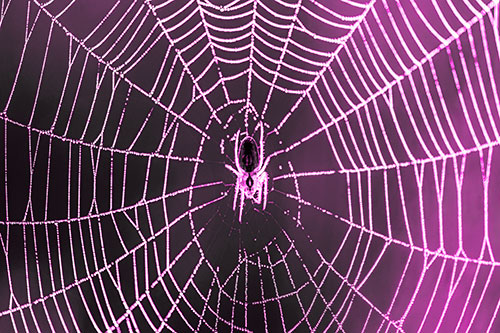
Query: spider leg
point(261, 157)
point(236, 147)
point(264, 204)
point(264, 166)
point(258, 200)
point(242, 202)
point(233, 170)
point(236, 190)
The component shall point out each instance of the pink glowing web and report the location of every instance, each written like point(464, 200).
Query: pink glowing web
point(380, 120)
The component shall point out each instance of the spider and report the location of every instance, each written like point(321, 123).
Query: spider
point(251, 177)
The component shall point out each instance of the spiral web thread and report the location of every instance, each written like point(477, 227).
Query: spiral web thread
point(403, 97)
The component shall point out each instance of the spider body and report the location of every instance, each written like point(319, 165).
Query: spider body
point(248, 154)
point(251, 177)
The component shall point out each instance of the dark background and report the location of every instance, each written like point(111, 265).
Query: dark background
point(116, 209)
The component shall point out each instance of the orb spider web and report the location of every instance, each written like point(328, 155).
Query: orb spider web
point(380, 121)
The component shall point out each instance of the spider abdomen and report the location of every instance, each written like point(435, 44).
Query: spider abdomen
point(248, 154)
